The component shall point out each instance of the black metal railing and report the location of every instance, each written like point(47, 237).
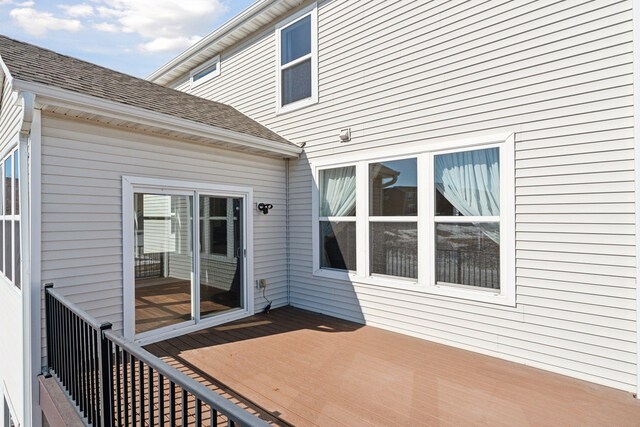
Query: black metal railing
point(115, 382)
point(472, 268)
point(148, 266)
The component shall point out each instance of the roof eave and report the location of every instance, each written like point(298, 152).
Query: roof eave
point(68, 99)
point(226, 29)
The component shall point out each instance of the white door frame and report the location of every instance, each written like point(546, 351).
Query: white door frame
point(132, 184)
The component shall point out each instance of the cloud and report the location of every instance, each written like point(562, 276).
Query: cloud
point(167, 25)
point(28, 3)
point(39, 23)
point(106, 27)
point(77, 10)
point(164, 44)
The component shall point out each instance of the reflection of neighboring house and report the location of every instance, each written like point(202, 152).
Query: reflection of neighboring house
point(401, 199)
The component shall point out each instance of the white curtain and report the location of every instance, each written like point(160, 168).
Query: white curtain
point(470, 181)
point(338, 192)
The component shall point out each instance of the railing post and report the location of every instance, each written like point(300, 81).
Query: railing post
point(106, 373)
point(48, 322)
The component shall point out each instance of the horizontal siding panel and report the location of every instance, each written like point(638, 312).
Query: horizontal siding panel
point(406, 75)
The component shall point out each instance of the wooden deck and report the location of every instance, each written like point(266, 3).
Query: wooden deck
point(300, 368)
point(166, 301)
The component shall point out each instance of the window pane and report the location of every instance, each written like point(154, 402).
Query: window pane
point(8, 250)
point(468, 254)
point(468, 183)
point(16, 180)
point(16, 255)
point(217, 206)
point(394, 249)
point(221, 276)
point(163, 258)
point(296, 40)
point(8, 173)
point(296, 82)
point(338, 191)
point(210, 69)
point(218, 237)
point(338, 245)
point(393, 188)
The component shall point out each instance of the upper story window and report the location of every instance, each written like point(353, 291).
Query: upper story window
point(205, 72)
point(297, 75)
point(10, 218)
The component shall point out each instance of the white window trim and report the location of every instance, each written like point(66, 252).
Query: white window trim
point(13, 217)
point(426, 244)
point(130, 185)
point(311, 10)
point(215, 60)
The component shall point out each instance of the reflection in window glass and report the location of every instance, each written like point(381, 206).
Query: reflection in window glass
point(394, 249)
point(296, 82)
point(16, 180)
point(393, 188)
point(163, 259)
point(16, 255)
point(338, 245)
point(468, 254)
point(296, 40)
point(8, 196)
point(8, 250)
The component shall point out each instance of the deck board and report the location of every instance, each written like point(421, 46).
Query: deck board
point(309, 369)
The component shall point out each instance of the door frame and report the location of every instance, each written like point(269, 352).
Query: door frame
point(132, 184)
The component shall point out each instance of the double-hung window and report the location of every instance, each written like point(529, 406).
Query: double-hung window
point(10, 218)
point(439, 221)
point(296, 44)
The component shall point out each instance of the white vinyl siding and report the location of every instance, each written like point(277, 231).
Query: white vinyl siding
point(11, 356)
point(82, 169)
point(409, 75)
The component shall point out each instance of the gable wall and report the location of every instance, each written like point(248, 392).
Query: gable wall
point(82, 169)
point(11, 355)
point(559, 74)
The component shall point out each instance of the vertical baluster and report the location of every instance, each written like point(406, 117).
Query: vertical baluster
point(172, 404)
point(214, 417)
point(83, 367)
point(96, 378)
point(231, 423)
point(150, 391)
point(198, 413)
point(133, 392)
point(160, 400)
point(185, 407)
point(125, 390)
point(118, 392)
point(141, 381)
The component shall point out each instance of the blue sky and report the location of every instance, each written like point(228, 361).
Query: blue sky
point(132, 36)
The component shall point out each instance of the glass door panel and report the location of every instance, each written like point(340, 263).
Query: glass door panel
point(163, 260)
point(221, 255)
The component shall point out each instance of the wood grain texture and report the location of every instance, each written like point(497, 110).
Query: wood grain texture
point(309, 369)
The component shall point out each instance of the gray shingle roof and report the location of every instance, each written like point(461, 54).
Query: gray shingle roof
point(31, 63)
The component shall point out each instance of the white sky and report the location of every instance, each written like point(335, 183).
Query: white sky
point(132, 36)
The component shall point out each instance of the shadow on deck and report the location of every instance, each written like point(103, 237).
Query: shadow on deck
point(301, 368)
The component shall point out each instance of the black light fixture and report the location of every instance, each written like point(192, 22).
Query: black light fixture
point(264, 207)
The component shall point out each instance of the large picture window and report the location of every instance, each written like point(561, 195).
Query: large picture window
point(439, 221)
point(10, 217)
point(297, 61)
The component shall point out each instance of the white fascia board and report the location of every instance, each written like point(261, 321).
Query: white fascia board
point(5, 70)
point(48, 95)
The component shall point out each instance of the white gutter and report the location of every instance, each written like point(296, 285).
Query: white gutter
point(30, 292)
point(636, 135)
point(48, 95)
point(255, 9)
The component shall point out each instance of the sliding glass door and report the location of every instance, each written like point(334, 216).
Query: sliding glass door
point(221, 254)
point(167, 258)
